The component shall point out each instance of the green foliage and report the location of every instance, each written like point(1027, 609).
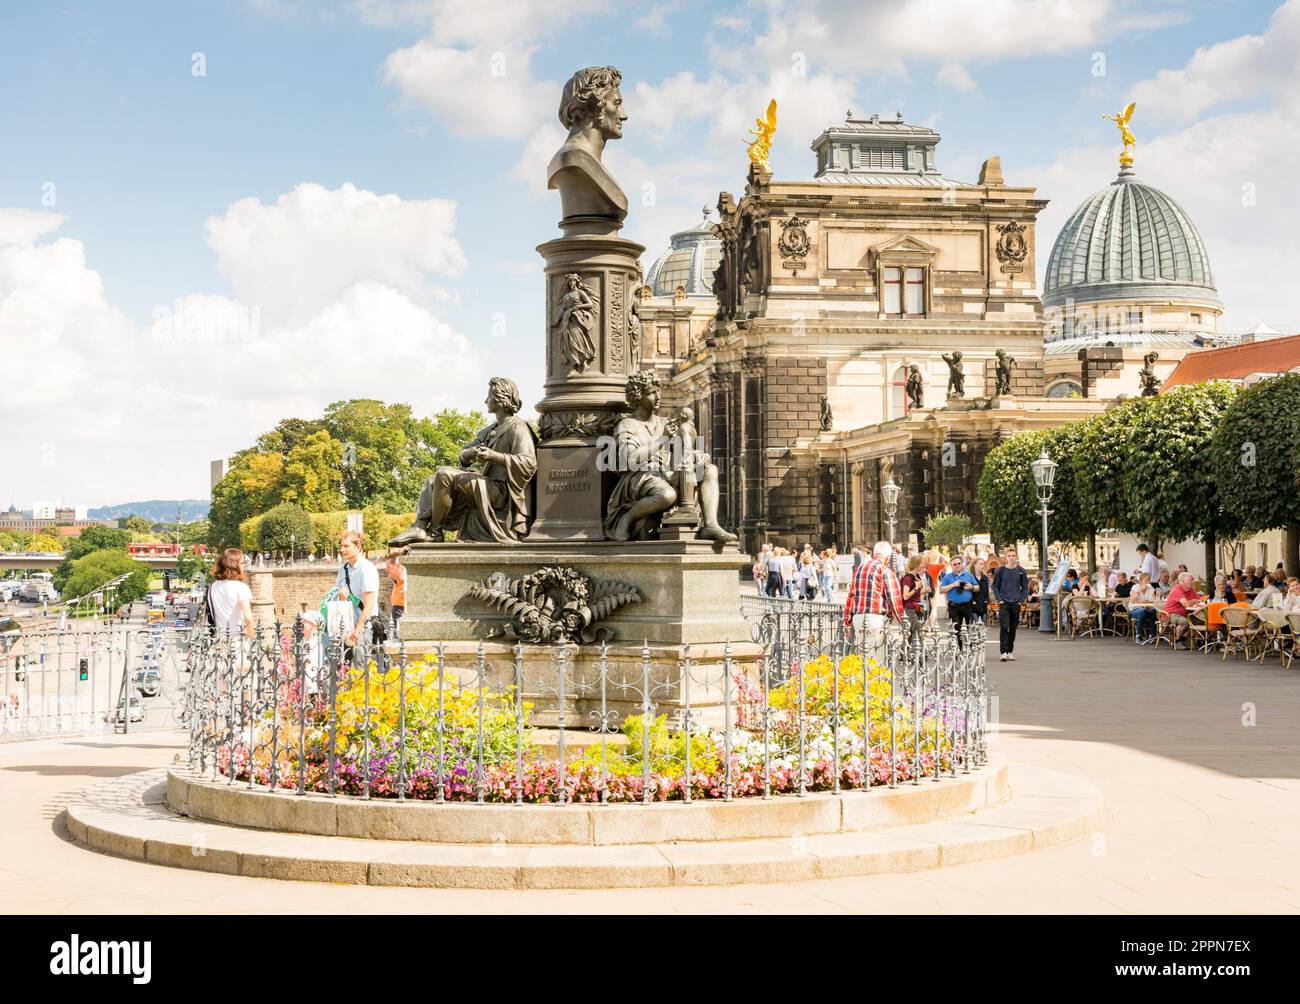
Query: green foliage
point(93, 538)
point(190, 567)
point(20, 540)
point(1256, 455)
point(90, 571)
point(1169, 486)
point(667, 750)
point(195, 532)
point(947, 529)
point(285, 527)
point(1008, 496)
point(1099, 464)
point(136, 524)
point(362, 454)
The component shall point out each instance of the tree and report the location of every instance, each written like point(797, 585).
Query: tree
point(93, 538)
point(947, 529)
point(1169, 485)
point(1008, 496)
point(92, 570)
point(46, 543)
point(190, 566)
point(137, 524)
point(284, 527)
point(1099, 463)
point(195, 532)
point(1256, 461)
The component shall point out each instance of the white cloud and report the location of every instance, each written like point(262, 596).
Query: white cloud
point(1238, 69)
point(925, 30)
point(295, 256)
point(102, 400)
point(954, 75)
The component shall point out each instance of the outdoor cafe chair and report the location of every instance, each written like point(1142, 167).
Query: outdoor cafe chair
point(1272, 635)
point(1083, 616)
point(1291, 642)
point(1199, 632)
point(1165, 629)
point(1242, 631)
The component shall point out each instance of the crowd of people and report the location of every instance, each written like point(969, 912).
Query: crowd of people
point(885, 584)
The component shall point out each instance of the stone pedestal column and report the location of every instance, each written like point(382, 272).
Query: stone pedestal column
point(584, 390)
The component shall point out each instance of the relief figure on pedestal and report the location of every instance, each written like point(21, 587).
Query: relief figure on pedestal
point(574, 321)
point(915, 386)
point(488, 505)
point(649, 483)
point(1002, 372)
point(956, 378)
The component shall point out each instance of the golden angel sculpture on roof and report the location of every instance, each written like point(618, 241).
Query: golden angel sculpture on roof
point(1121, 121)
point(763, 133)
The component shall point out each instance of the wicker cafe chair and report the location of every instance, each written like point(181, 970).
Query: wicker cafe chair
point(1120, 621)
point(1200, 633)
point(1242, 631)
point(1291, 643)
point(1083, 616)
point(1165, 629)
point(1272, 638)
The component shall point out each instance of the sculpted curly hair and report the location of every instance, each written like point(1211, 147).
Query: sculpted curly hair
point(637, 386)
point(582, 95)
point(504, 391)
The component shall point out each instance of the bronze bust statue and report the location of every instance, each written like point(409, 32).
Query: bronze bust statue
point(591, 108)
point(491, 505)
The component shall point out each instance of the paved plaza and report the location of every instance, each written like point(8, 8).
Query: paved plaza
point(1203, 811)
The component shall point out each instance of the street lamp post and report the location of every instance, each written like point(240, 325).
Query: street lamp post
point(293, 544)
point(890, 492)
point(1044, 469)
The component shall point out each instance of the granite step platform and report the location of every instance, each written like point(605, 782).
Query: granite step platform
point(128, 817)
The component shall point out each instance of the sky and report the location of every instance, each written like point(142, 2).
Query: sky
point(216, 215)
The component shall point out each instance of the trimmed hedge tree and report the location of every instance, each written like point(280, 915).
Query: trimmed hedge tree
point(1009, 499)
point(286, 525)
point(1256, 461)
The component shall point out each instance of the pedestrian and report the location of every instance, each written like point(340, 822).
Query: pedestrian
point(358, 580)
point(980, 602)
point(830, 573)
point(875, 598)
point(229, 600)
point(760, 569)
point(1011, 590)
point(313, 652)
point(914, 587)
point(773, 572)
point(789, 573)
point(958, 587)
point(807, 576)
point(396, 572)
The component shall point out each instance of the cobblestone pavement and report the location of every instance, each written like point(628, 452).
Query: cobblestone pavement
point(1199, 761)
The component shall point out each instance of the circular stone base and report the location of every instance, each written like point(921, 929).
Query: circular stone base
point(129, 817)
point(220, 801)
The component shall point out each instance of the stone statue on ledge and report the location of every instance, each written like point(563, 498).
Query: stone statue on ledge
point(1150, 382)
point(493, 505)
point(591, 108)
point(1002, 372)
point(650, 481)
point(915, 387)
point(956, 378)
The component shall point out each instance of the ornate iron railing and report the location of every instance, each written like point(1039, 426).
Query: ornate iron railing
point(812, 706)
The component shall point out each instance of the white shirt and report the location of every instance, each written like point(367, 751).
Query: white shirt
point(1291, 602)
point(226, 595)
point(786, 564)
point(1151, 565)
point(364, 577)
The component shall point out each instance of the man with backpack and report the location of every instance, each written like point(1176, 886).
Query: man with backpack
point(1011, 588)
point(358, 580)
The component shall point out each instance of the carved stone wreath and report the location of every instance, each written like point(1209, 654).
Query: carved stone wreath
point(579, 424)
point(1012, 248)
point(794, 243)
point(554, 605)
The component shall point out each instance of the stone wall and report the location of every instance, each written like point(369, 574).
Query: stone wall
point(794, 388)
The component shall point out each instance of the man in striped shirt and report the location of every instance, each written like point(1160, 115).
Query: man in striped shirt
point(874, 594)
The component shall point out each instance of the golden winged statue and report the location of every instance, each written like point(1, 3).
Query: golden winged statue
point(765, 129)
point(1121, 121)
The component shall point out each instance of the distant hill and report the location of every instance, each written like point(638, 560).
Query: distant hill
point(155, 510)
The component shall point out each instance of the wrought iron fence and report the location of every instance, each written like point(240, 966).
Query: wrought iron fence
point(813, 706)
point(92, 676)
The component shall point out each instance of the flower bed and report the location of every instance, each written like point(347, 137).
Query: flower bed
point(485, 746)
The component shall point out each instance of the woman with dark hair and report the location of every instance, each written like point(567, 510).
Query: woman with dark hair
point(230, 601)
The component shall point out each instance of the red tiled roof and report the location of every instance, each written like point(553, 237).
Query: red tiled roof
point(1274, 355)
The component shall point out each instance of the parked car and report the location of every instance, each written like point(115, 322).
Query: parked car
point(148, 680)
point(136, 710)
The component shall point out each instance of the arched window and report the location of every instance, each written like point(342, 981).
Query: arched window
point(1065, 388)
point(898, 393)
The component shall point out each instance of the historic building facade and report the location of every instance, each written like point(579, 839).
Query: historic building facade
point(859, 319)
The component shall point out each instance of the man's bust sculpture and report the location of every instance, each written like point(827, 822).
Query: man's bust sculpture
point(591, 108)
point(491, 505)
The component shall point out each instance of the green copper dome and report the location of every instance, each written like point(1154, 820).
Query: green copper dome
point(1129, 242)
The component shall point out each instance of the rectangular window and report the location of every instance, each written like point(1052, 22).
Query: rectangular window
point(1196, 320)
point(915, 291)
point(1263, 555)
point(893, 291)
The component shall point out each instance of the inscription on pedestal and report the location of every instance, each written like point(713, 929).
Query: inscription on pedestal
point(570, 493)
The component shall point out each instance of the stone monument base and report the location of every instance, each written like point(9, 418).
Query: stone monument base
point(690, 589)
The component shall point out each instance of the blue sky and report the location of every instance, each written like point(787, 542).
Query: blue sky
point(359, 174)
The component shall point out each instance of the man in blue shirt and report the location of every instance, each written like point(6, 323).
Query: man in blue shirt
point(959, 586)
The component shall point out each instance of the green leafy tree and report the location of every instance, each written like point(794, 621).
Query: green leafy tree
point(195, 532)
point(1256, 461)
point(137, 525)
point(91, 539)
point(947, 529)
point(1008, 496)
point(284, 527)
point(90, 571)
point(190, 567)
point(1169, 485)
point(1099, 463)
